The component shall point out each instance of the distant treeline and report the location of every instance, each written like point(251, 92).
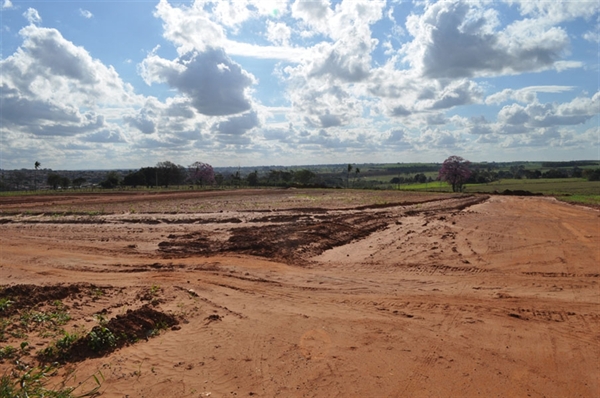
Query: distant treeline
point(579, 163)
point(424, 168)
point(368, 175)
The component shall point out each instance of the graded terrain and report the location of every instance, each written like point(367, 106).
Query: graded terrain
point(304, 293)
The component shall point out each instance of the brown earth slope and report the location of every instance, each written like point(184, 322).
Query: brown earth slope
point(286, 294)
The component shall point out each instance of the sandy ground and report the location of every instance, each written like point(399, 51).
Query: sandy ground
point(313, 293)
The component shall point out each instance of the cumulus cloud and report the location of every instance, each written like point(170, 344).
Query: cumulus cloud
point(214, 83)
point(525, 94)
point(575, 112)
point(142, 121)
point(278, 33)
point(189, 28)
point(324, 107)
point(315, 14)
point(534, 119)
point(237, 125)
point(32, 16)
point(50, 87)
point(433, 138)
point(398, 139)
point(104, 136)
point(556, 12)
point(592, 36)
point(461, 39)
point(7, 4)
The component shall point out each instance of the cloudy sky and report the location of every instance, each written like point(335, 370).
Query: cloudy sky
point(99, 84)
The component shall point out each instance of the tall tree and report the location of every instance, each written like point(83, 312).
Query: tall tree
point(201, 173)
point(37, 166)
point(455, 171)
point(53, 180)
point(169, 173)
point(348, 171)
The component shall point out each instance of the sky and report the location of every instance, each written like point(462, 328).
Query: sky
point(128, 84)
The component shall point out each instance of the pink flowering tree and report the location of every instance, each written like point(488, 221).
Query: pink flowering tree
point(201, 173)
point(455, 171)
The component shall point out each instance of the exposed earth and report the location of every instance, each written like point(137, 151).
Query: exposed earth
point(302, 293)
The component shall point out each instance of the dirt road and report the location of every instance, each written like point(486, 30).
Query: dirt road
point(433, 296)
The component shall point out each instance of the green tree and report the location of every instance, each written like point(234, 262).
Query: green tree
point(78, 182)
point(348, 171)
point(304, 176)
point(170, 173)
point(53, 180)
point(111, 180)
point(253, 178)
point(65, 182)
point(36, 165)
point(219, 178)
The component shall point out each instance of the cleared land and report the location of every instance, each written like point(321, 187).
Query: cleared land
point(304, 293)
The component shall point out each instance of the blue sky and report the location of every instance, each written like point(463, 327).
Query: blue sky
point(95, 84)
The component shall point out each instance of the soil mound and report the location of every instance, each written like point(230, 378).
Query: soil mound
point(26, 296)
point(520, 192)
point(133, 326)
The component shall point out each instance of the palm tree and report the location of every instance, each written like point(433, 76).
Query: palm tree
point(37, 166)
point(348, 176)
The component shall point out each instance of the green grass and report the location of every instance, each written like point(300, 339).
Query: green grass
point(35, 383)
point(582, 199)
point(572, 190)
point(435, 186)
point(546, 186)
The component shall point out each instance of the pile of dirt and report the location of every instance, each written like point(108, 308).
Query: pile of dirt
point(290, 239)
point(133, 326)
point(27, 296)
point(519, 192)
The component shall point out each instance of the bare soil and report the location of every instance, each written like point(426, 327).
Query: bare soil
point(303, 293)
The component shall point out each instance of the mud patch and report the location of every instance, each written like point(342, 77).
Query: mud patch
point(293, 238)
point(26, 296)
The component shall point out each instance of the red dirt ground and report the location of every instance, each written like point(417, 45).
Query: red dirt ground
point(307, 293)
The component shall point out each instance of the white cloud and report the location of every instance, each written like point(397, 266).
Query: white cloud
point(556, 12)
point(460, 39)
point(85, 13)
point(524, 95)
point(314, 14)
point(397, 139)
point(535, 118)
point(53, 88)
point(104, 136)
point(189, 28)
point(214, 83)
point(7, 4)
point(237, 125)
point(592, 36)
point(278, 33)
point(32, 16)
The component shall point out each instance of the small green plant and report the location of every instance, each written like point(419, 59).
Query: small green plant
point(51, 320)
point(60, 348)
point(7, 352)
point(101, 338)
point(25, 347)
point(66, 342)
point(155, 289)
point(34, 383)
point(5, 303)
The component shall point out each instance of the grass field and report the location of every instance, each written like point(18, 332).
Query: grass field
point(576, 190)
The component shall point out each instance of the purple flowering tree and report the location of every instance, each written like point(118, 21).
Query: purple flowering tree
point(201, 173)
point(455, 171)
